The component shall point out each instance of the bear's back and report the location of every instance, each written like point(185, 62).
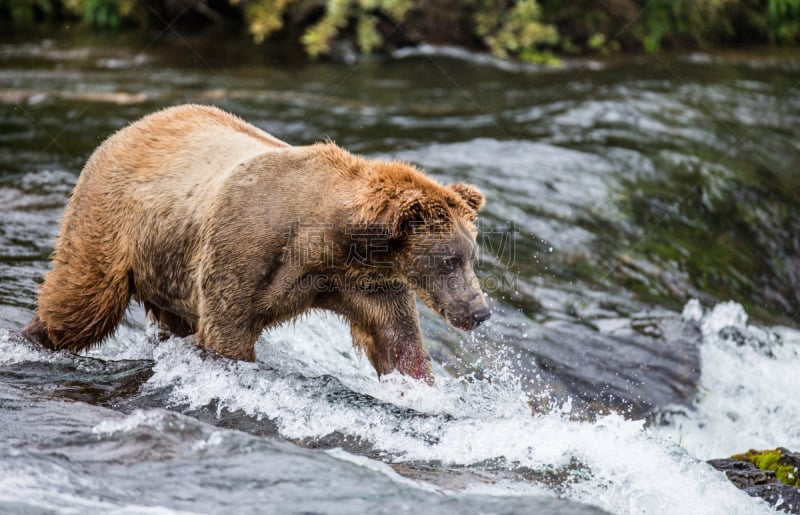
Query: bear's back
point(188, 140)
point(173, 160)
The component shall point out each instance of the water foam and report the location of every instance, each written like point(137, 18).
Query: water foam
point(613, 463)
point(14, 349)
point(311, 384)
point(748, 386)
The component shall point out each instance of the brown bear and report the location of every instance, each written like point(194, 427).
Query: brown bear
point(221, 230)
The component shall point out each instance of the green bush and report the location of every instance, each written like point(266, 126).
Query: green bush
point(267, 16)
point(512, 28)
point(784, 20)
point(516, 30)
point(99, 13)
point(529, 30)
point(102, 13)
point(24, 12)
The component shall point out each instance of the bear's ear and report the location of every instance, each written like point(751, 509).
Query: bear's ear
point(471, 195)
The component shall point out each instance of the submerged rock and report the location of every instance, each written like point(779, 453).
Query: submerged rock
point(743, 474)
point(779, 496)
point(635, 366)
point(773, 475)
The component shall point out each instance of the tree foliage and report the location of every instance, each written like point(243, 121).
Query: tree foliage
point(515, 29)
point(531, 30)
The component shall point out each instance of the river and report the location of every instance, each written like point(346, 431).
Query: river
point(639, 248)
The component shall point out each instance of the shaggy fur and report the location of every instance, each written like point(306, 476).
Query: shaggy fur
point(222, 230)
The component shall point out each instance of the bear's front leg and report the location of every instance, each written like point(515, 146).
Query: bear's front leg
point(228, 323)
point(388, 353)
point(387, 329)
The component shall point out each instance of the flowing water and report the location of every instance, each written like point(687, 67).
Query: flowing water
point(639, 247)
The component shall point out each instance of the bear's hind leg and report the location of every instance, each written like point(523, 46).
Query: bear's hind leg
point(78, 310)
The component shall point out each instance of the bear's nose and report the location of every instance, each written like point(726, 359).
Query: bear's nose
point(481, 315)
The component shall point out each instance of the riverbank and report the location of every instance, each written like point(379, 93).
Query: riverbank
point(542, 32)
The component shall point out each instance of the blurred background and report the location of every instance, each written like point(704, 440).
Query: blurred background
point(528, 30)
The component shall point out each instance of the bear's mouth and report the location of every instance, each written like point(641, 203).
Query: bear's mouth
point(467, 325)
point(463, 323)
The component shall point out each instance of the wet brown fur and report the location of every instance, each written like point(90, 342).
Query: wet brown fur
point(214, 224)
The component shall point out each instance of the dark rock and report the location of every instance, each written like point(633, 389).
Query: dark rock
point(743, 474)
point(638, 367)
point(760, 482)
point(790, 458)
point(781, 497)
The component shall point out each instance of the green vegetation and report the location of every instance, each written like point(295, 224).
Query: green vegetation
point(775, 461)
point(516, 30)
point(529, 30)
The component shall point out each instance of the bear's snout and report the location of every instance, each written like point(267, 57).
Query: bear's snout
point(480, 316)
point(470, 321)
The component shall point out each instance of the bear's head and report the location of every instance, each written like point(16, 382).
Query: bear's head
point(432, 239)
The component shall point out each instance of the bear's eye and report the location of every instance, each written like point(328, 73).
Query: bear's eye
point(450, 263)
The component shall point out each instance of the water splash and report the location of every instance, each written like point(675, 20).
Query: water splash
point(313, 386)
point(614, 463)
point(748, 388)
point(14, 349)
